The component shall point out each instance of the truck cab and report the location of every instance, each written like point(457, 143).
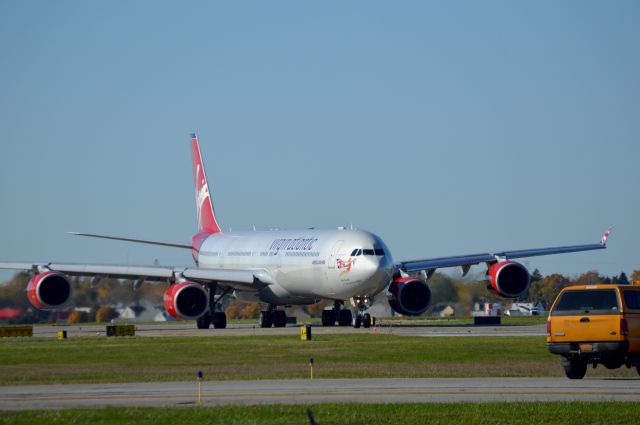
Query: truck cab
point(595, 324)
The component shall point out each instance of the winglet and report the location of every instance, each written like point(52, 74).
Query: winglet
point(206, 217)
point(603, 240)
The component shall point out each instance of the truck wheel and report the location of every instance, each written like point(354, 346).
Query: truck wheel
point(613, 364)
point(575, 369)
point(638, 369)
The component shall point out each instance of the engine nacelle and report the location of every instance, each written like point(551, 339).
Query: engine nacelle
point(49, 290)
point(409, 296)
point(186, 300)
point(508, 278)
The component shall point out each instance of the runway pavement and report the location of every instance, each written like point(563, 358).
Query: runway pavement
point(189, 329)
point(160, 394)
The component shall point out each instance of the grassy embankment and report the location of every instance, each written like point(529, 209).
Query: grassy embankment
point(140, 359)
point(325, 414)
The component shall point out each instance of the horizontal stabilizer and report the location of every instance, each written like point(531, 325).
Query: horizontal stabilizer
point(150, 242)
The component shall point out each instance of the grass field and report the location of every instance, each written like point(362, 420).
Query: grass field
point(325, 414)
point(140, 359)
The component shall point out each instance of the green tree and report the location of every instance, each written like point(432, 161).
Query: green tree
point(623, 279)
point(547, 288)
point(443, 289)
point(78, 317)
point(12, 293)
point(635, 275)
point(250, 311)
point(106, 314)
point(590, 278)
point(83, 295)
point(536, 276)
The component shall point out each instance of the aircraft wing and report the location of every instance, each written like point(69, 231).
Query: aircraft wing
point(240, 279)
point(466, 261)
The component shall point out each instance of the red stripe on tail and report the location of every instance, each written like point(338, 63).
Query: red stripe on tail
point(206, 217)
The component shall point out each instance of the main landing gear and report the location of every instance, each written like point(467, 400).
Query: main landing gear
point(362, 317)
point(217, 318)
point(273, 317)
point(337, 314)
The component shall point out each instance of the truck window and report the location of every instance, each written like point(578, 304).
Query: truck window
point(632, 299)
point(586, 302)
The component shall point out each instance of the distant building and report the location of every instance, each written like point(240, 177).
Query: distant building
point(83, 309)
point(535, 308)
point(142, 312)
point(488, 309)
point(448, 310)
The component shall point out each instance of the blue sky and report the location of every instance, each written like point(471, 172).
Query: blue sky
point(444, 127)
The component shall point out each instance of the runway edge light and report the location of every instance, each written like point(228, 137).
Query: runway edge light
point(199, 387)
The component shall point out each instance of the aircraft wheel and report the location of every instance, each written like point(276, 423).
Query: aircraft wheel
point(219, 320)
point(204, 322)
point(279, 319)
point(357, 322)
point(328, 318)
point(266, 319)
point(366, 320)
point(345, 317)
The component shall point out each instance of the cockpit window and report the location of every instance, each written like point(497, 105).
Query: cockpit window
point(356, 252)
point(376, 251)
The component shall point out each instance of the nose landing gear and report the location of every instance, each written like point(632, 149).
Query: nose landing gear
point(362, 317)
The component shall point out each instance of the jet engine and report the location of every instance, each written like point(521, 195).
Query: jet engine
point(48, 290)
point(409, 296)
point(508, 278)
point(186, 300)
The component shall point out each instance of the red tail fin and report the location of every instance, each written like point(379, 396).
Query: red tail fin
point(207, 222)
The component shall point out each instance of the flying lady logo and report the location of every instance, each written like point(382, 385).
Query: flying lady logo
point(345, 266)
point(202, 193)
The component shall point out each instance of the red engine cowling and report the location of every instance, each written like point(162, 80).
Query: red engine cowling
point(186, 300)
point(49, 290)
point(508, 278)
point(409, 296)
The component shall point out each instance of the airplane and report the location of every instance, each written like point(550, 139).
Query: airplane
point(283, 268)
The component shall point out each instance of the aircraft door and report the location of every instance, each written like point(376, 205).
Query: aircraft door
point(335, 254)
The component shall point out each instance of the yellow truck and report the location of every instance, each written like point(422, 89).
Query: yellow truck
point(595, 324)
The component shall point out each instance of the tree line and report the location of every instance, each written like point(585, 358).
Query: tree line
point(99, 300)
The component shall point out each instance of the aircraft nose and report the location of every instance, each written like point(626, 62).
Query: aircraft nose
point(376, 268)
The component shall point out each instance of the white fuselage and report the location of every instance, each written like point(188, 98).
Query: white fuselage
point(304, 265)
